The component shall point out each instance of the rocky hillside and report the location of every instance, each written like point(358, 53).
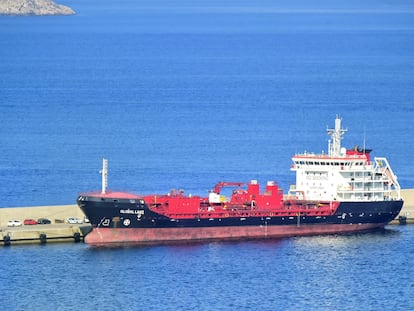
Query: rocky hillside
point(33, 7)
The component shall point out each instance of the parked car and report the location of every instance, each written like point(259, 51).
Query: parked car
point(29, 222)
point(14, 223)
point(74, 220)
point(43, 221)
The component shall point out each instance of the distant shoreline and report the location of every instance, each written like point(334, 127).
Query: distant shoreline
point(33, 7)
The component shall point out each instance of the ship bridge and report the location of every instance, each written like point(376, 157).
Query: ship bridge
point(344, 175)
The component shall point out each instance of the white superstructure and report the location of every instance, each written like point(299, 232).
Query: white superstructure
point(343, 175)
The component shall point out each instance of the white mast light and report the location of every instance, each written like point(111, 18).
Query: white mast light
point(104, 173)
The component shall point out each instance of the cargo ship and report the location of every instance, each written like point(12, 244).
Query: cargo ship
point(338, 191)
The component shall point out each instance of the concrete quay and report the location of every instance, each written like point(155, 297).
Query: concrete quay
point(408, 207)
point(57, 231)
point(41, 234)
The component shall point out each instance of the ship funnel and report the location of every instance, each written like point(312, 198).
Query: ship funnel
point(104, 173)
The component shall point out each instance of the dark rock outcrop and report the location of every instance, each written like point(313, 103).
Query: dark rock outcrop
point(33, 7)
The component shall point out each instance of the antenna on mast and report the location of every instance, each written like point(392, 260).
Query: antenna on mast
point(364, 140)
point(104, 173)
point(337, 133)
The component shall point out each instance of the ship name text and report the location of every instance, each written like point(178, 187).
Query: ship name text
point(132, 211)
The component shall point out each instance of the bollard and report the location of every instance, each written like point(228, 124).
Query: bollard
point(402, 220)
point(77, 237)
point(42, 238)
point(6, 240)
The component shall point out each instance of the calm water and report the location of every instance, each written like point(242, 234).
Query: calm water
point(357, 272)
point(181, 94)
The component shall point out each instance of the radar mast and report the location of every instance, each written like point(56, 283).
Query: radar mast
point(334, 145)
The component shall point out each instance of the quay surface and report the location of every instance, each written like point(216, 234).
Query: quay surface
point(57, 231)
point(60, 231)
point(408, 207)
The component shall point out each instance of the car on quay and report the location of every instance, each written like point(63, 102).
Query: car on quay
point(14, 223)
point(43, 221)
point(74, 220)
point(27, 222)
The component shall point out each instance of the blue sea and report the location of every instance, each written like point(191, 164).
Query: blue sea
point(183, 94)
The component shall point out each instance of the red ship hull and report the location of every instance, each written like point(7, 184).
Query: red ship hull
point(148, 236)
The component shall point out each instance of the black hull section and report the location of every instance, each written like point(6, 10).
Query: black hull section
point(125, 213)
